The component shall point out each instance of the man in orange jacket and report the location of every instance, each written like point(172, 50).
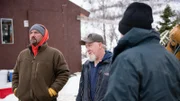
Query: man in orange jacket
point(40, 71)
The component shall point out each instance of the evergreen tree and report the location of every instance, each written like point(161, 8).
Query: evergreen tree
point(167, 22)
point(178, 17)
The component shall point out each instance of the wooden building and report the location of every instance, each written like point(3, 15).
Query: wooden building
point(60, 18)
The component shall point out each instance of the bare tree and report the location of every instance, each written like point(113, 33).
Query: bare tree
point(113, 37)
point(178, 17)
point(113, 10)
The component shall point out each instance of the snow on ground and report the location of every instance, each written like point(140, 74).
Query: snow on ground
point(68, 93)
point(10, 97)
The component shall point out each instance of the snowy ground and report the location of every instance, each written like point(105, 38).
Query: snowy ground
point(68, 93)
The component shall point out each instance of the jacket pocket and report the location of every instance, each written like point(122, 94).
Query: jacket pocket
point(40, 90)
point(103, 86)
point(18, 94)
point(21, 94)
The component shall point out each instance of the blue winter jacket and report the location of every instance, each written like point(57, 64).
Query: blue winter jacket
point(143, 70)
point(84, 93)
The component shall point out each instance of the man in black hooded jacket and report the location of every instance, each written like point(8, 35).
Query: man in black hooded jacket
point(142, 69)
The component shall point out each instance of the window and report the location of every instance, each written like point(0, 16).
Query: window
point(7, 34)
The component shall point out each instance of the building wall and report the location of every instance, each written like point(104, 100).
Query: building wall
point(71, 23)
point(59, 16)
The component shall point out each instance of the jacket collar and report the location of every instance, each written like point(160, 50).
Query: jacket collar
point(40, 49)
point(134, 37)
point(107, 57)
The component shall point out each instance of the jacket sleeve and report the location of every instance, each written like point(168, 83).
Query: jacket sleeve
point(81, 87)
point(123, 82)
point(61, 71)
point(15, 78)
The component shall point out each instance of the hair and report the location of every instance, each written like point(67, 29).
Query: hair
point(104, 46)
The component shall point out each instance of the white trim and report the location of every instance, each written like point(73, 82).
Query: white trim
point(164, 37)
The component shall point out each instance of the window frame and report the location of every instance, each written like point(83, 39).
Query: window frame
point(11, 20)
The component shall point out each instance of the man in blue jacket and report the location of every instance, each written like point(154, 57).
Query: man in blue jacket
point(142, 69)
point(95, 71)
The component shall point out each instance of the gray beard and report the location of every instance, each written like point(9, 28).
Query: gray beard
point(91, 57)
point(33, 42)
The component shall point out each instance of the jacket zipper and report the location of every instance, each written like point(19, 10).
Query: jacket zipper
point(36, 69)
point(31, 91)
point(89, 90)
point(98, 84)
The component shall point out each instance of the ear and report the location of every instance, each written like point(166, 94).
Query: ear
point(100, 45)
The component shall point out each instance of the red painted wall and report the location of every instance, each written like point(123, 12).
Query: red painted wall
point(59, 16)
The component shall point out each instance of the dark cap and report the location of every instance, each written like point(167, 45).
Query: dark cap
point(136, 15)
point(92, 37)
point(39, 28)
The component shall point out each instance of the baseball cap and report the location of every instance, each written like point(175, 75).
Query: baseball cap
point(92, 37)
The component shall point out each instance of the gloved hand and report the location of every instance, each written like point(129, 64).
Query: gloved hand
point(15, 90)
point(52, 92)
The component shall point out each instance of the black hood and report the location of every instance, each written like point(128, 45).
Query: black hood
point(133, 38)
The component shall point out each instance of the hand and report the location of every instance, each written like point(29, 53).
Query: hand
point(52, 92)
point(15, 90)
